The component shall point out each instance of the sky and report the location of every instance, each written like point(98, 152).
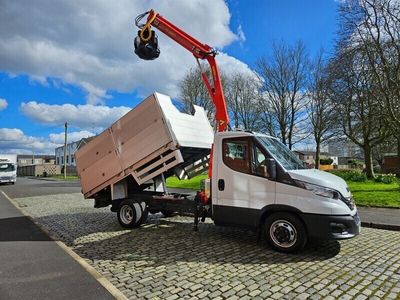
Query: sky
point(72, 61)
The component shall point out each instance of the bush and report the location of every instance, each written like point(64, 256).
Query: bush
point(355, 163)
point(386, 178)
point(350, 175)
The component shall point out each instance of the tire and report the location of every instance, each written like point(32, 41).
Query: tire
point(131, 213)
point(167, 213)
point(285, 232)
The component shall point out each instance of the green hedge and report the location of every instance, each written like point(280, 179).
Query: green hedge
point(358, 176)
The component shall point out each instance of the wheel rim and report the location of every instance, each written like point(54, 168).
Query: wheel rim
point(126, 214)
point(283, 233)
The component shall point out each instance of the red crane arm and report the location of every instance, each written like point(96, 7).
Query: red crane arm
point(200, 51)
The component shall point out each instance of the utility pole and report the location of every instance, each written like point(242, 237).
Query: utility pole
point(65, 151)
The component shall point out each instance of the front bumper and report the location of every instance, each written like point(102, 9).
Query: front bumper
point(7, 180)
point(332, 227)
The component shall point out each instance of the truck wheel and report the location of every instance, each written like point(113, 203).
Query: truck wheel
point(131, 213)
point(285, 232)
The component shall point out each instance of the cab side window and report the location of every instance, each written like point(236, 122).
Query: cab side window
point(259, 162)
point(236, 154)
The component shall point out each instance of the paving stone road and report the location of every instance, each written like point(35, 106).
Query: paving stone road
point(165, 259)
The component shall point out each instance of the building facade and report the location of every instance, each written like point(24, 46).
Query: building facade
point(28, 160)
point(71, 149)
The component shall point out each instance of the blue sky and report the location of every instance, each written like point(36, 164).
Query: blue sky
point(71, 62)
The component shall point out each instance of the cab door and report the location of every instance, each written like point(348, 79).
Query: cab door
point(243, 184)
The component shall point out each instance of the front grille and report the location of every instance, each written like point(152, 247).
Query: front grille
point(349, 202)
point(5, 177)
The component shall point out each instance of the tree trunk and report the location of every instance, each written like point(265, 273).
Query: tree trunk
point(368, 162)
point(317, 155)
point(398, 156)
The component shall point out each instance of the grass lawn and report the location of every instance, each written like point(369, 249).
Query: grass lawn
point(365, 193)
point(193, 184)
point(61, 177)
point(375, 194)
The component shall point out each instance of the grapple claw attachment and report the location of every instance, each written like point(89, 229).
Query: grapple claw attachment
point(147, 50)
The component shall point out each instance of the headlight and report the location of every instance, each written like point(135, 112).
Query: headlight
point(319, 190)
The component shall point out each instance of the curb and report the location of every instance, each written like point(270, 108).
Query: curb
point(381, 226)
point(49, 179)
point(91, 270)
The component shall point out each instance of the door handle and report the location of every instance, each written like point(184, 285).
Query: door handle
point(221, 184)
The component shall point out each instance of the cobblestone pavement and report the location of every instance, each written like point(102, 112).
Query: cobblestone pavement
point(165, 259)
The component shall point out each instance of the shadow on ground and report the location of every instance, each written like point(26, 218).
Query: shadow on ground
point(161, 241)
point(20, 229)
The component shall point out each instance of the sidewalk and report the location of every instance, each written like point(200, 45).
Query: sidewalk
point(33, 266)
point(382, 218)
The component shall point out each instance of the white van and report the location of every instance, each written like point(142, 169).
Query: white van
point(8, 168)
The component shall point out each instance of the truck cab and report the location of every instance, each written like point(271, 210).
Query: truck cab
point(8, 168)
point(258, 182)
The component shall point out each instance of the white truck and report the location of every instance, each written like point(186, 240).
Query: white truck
point(257, 181)
point(254, 180)
point(8, 168)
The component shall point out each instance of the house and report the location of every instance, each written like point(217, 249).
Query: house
point(28, 160)
point(71, 149)
point(309, 157)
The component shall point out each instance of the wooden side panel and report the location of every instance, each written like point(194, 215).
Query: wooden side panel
point(97, 149)
point(139, 134)
point(146, 142)
point(100, 171)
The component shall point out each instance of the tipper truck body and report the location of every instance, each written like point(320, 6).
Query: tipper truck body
point(152, 140)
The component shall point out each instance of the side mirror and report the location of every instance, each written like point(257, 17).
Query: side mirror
point(271, 167)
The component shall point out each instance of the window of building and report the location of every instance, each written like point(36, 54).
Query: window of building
point(57, 160)
point(67, 159)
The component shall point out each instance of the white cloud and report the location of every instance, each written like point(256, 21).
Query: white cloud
point(3, 104)
point(58, 138)
point(13, 140)
point(89, 43)
point(89, 117)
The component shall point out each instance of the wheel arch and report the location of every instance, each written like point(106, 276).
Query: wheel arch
point(274, 208)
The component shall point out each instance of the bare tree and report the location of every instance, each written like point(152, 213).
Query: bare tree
point(358, 111)
point(194, 92)
point(285, 78)
point(243, 94)
point(373, 26)
point(320, 107)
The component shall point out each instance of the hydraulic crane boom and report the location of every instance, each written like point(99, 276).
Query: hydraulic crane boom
point(146, 46)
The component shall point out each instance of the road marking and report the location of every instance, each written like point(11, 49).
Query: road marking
point(92, 271)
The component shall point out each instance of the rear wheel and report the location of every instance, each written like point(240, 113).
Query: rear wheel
point(132, 213)
point(285, 232)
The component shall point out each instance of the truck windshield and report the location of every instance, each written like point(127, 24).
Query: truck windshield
point(7, 167)
point(281, 153)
